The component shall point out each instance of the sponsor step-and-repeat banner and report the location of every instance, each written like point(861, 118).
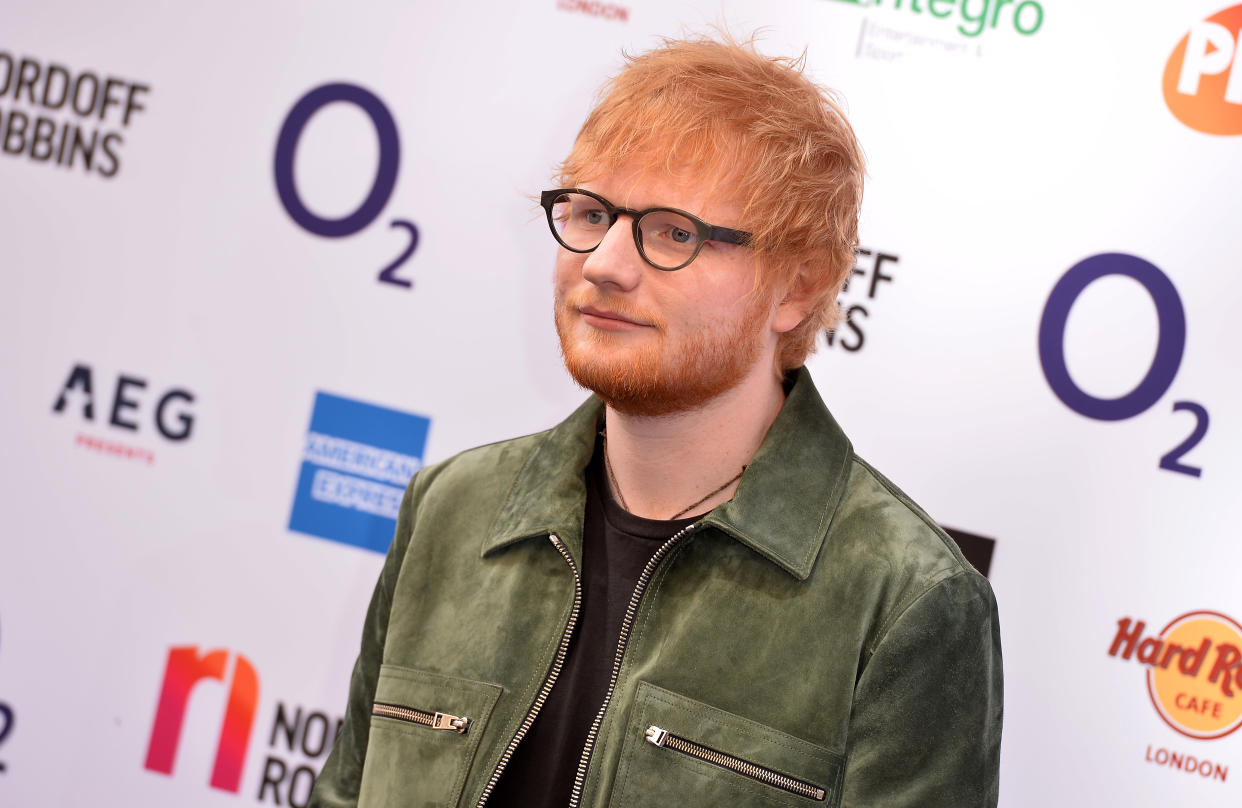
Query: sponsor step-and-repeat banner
point(264, 263)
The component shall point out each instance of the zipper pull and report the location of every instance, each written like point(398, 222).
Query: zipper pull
point(656, 735)
point(455, 723)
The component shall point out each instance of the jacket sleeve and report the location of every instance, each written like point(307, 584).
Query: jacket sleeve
point(338, 783)
point(926, 725)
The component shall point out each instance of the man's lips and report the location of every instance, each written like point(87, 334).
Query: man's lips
point(608, 319)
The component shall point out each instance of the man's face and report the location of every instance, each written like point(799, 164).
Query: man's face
point(652, 342)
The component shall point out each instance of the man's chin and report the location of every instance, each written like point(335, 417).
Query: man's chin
point(641, 386)
point(646, 377)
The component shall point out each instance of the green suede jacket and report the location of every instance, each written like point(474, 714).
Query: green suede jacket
point(817, 640)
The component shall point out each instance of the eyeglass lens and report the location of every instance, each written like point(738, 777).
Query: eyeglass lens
point(669, 240)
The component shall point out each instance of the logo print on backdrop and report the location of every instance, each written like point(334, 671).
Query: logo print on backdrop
point(171, 417)
point(309, 734)
point(185, 669)
point(873, 262)
point(1026, 17)
point(385, 174)
point(51, 114)
point(1164, 366)
point(1203, 77)
point(358, 459)
point(1194, 680)
point(886, 43)
point(6, 727)
point(298, 734)
point(608, 11)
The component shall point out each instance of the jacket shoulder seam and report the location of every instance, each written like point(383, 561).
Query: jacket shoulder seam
point(935, 579)
point(918, 512)
point(938, 579)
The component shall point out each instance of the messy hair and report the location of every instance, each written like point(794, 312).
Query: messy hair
point(762, 130)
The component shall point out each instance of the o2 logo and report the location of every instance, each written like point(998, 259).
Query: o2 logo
point(1164, 366)
point(381, 188)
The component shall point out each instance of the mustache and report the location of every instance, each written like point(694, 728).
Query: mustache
point(615, 305)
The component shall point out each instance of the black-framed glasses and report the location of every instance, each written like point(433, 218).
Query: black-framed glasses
point(667, 238)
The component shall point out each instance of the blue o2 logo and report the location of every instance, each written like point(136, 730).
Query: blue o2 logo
point(1170, 346)
point(381, 188)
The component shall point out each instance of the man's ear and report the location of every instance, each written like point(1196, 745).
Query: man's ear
point(794, 305)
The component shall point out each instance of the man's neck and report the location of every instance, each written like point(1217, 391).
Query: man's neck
point(663, 464)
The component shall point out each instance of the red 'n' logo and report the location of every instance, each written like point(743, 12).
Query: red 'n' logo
point(185, 669)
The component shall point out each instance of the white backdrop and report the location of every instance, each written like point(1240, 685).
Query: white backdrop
point(169, 270)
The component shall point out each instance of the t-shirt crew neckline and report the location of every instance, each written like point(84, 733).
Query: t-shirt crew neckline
point(625, 522)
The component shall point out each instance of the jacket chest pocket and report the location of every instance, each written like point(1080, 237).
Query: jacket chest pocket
point(425, 729)
point(682, 753)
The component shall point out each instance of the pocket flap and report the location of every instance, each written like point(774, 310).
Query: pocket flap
point(410, 764)
point(436, 693)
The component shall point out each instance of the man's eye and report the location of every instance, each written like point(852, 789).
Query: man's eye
point(680, 236)
point(594, 217)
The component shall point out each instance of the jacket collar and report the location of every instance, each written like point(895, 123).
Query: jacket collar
point(782, 510)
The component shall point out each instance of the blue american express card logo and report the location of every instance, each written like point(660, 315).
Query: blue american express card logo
point(356, 463)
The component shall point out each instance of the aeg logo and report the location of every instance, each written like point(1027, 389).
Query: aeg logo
point(173, 418)
point(1203, 78)
point(185, 669)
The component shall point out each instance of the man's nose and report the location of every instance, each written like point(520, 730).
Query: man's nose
point(616, 260)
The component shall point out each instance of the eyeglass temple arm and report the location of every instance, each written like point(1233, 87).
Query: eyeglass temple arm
point(728, 235)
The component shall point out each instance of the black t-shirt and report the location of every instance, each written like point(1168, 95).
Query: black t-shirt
point(617, 546)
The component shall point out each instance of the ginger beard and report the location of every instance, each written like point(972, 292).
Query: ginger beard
point(653, 375)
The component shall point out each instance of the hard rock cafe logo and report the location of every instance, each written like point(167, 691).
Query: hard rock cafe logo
point(1194, 670)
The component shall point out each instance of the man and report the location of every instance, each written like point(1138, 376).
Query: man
point(691, 592)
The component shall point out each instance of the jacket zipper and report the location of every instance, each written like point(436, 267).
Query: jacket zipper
point(456, 723)
point(557, 663)
point(627, 624)
point(664, 739)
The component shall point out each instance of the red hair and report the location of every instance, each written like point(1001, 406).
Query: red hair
point(764, 130)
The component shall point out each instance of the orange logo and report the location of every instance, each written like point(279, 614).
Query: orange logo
point(1194, 674)
point(1203, 78)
